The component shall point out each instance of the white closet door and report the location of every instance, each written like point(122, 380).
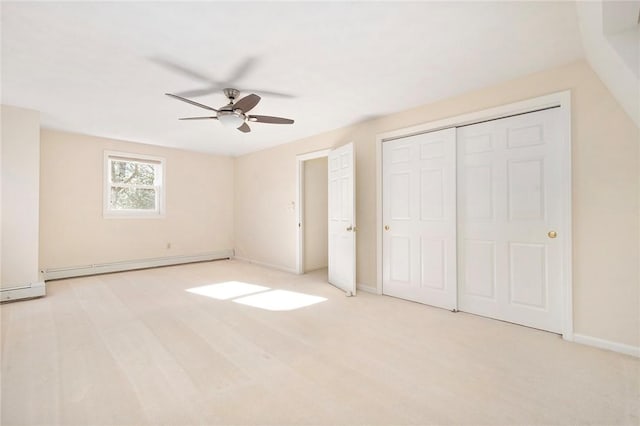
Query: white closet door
point(342, 219)
point(419, 218)
point(509, 263)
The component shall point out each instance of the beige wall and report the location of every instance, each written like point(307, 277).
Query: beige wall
point(316, 220)
point(199, 204)
point(20, 146)
point(605, 194)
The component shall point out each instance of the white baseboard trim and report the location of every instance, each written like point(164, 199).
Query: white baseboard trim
point(30, 291)
point(607, 344)
point(266, 264)
point(366, 288)
point(128, 265)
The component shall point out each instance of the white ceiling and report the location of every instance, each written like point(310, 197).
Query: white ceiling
point(96, 68)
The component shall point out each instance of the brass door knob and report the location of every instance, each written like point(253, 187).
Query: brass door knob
point(552, 234)
point(386, 227)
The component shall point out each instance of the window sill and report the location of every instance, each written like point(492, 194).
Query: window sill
point(129, 215)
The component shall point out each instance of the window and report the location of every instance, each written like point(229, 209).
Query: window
point(133, 185)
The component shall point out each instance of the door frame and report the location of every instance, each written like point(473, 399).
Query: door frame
point(300, 159)
point(562, 100)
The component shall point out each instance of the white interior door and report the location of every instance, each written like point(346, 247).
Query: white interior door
point(419, 218)
point(509, 260)
point(342, 219)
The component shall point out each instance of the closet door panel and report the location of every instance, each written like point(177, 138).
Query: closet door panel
point(419, 218)
point(508, 198)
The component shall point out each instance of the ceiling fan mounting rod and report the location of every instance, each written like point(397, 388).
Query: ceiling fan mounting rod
point(232, 94)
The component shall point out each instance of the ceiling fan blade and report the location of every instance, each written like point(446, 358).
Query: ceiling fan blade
point(269, 119)
point(242, 69)
point(198, 118)
point(247, 103)
point(269, 93)
point(181, 69)
point(244, 128)
point(189, 101)
point(200, 92)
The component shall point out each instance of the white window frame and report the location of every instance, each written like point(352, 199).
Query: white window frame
point(160, 184)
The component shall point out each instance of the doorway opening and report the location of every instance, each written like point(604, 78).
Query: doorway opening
point(315, 218)
point(313, 212)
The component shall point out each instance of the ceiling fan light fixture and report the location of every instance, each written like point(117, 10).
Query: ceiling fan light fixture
point(230, 119)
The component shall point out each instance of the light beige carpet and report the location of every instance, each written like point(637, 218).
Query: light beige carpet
point(136, 348)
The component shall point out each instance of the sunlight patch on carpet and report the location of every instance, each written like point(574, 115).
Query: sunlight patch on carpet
point(257, 296)
point(227, 290)
point(280, 300)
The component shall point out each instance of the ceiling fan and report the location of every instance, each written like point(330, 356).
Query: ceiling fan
point(234, 114)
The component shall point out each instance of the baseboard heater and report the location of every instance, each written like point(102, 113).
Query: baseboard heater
point(128, 265)
point(29, 291)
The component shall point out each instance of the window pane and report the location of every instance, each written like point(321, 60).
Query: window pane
point(133, 198)
point(132, 172)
